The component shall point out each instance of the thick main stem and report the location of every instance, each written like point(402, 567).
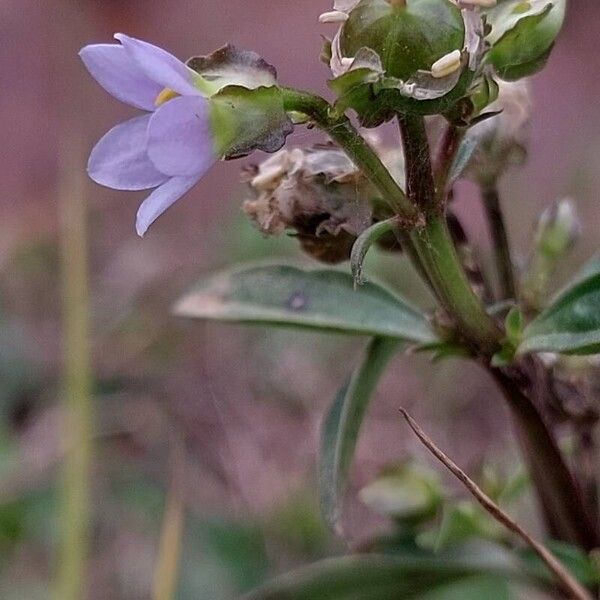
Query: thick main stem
point(439, 258)
point(434, 244)
point(420, 185)
point(559, 494)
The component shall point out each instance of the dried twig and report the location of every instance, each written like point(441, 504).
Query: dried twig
point(566, 581)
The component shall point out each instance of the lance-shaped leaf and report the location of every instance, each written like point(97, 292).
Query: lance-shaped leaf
point(589, 269)
point(315, 299)
point(342, 426)
point(571, 324)
point(389, 577)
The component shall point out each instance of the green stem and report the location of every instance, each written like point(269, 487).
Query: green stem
point(435, 247)
point(559, 493)
point(430, 247)
point(501, 246)
point(419, 171)
point(343, 132)
point(449, 146)
point(439, 258)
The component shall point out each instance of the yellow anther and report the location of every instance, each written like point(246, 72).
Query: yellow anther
point(446, 65)
point(166, 95)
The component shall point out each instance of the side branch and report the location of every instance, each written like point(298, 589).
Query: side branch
point(504, 265)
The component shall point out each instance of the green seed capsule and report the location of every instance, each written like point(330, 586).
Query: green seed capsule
point(408, 35)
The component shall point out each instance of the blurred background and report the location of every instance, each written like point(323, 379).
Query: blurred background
point(207, 429)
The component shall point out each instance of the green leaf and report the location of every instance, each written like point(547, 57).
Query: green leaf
point(342, 426)
point(590, 268)
point(474, 588)
point(386, 577)
point(315, 299)
point(574, 559)
point(571, 324)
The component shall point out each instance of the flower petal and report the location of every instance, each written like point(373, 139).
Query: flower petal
point(161, 199)
point(120, 160)
point(180, 139)
point(112, 67)
point(160, 66)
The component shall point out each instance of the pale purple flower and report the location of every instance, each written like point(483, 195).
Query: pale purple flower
point(172, 146)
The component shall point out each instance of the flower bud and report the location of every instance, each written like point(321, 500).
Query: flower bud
point(558, 229)
point(500, 141)
point(406, 493)
point(522, 35)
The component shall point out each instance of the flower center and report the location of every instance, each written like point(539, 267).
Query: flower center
point(166, 95)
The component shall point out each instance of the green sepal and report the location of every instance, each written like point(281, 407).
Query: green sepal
point(516, 72)
point(369, 94)
point(483, 92)
point(245, 119)
point(230, 66)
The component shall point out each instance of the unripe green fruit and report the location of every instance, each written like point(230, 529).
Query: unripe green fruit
point(408, 36)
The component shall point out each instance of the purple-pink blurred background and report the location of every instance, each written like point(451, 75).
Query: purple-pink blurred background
point(247, 402)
